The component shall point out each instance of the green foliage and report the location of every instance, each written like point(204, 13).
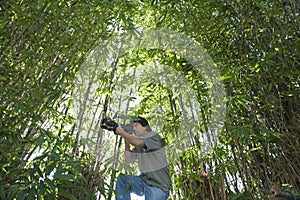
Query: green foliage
point(255, 45)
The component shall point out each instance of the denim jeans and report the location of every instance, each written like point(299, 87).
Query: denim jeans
point(127, 184)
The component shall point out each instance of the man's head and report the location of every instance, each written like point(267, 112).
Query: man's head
point(141, 120)
point(141, 126)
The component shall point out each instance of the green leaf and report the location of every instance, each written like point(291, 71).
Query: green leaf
point(51, 184)
point(66, 177)
point(31, 193)
point(2, 193)
point(37, 168)
point(42, 187)
point(66, 194)
point(2, 78)
point(22, 195)
point(49, 168)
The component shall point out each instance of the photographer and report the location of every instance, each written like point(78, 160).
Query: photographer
point(154, 181)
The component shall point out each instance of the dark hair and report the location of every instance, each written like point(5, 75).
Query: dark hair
point(142, 121)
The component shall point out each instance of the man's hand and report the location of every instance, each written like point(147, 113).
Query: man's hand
point(119, 130)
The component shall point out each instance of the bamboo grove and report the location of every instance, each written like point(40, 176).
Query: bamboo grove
point(44, 150)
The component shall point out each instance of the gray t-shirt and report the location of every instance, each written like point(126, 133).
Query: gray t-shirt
point(153, 162)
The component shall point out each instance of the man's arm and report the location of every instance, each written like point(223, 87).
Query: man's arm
point(131, 139)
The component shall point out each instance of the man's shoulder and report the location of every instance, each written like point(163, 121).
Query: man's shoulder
point(152, 134)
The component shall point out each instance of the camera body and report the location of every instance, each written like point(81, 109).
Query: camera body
point(109, 125)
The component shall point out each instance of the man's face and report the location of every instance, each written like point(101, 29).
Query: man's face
point(139, 130)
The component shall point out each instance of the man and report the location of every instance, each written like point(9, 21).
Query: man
point(154, 181)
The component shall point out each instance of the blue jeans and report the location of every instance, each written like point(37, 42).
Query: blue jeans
point(127, 184)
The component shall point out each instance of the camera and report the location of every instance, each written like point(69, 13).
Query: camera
point(109, 125)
